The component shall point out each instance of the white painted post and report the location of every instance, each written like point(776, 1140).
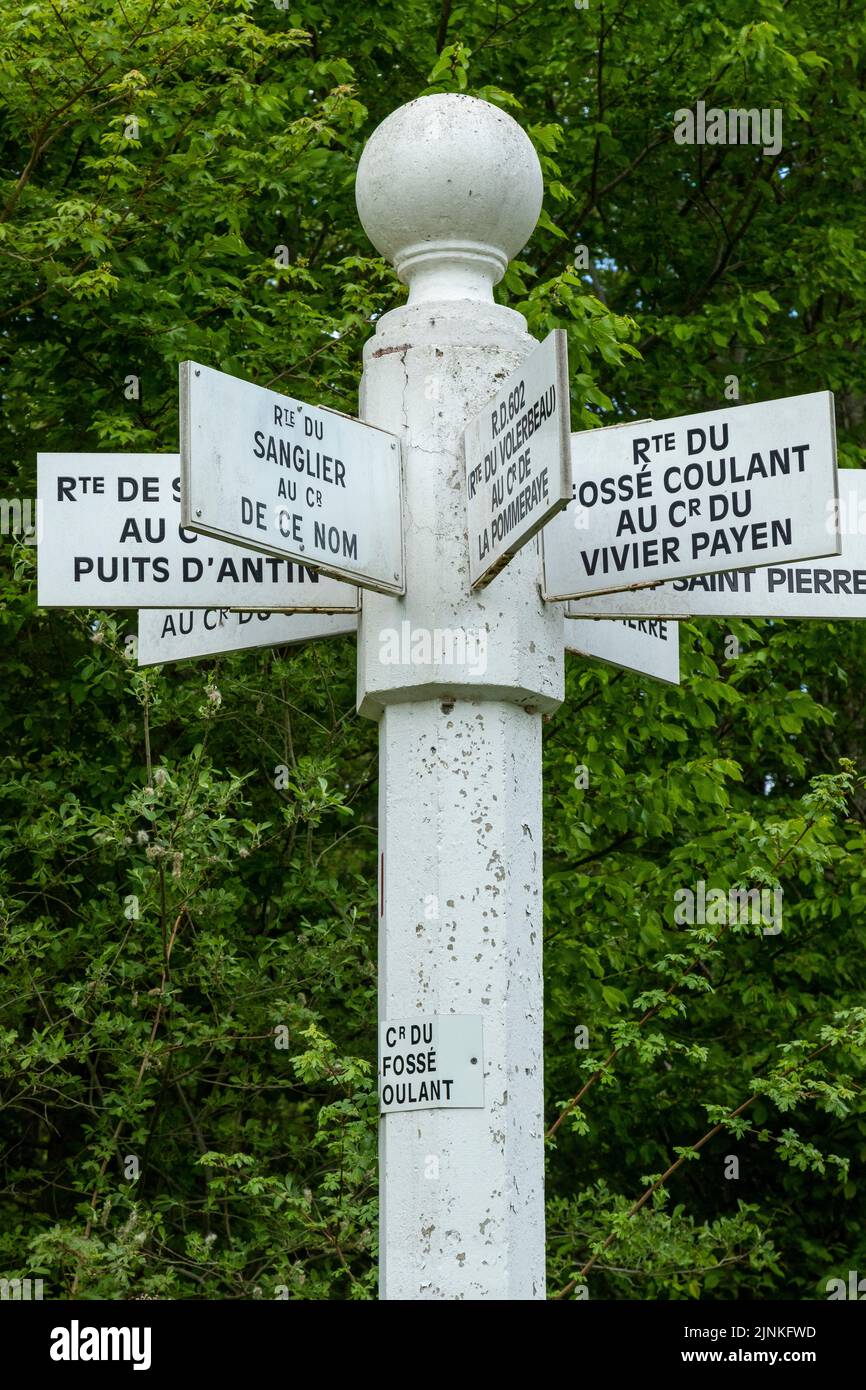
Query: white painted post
point(449, 188)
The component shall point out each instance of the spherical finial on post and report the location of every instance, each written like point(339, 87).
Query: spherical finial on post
point(449, 188)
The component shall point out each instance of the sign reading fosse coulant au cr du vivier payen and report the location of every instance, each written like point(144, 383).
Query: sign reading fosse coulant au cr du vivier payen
point(727, 489)
point(833, 588)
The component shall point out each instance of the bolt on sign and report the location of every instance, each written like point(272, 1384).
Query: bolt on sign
point(178, 634)
point(728, 489)
point(830, 589)
point(289, 479)
point(112, 538)
point(431, 1063)
point(650, 646)
point(518, 459)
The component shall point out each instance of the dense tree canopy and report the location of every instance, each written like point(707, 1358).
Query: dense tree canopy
point(187, 1040)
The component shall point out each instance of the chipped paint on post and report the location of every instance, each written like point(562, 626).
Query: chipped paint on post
point(449, 188)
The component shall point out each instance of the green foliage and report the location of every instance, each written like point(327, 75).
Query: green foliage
point(188, 950)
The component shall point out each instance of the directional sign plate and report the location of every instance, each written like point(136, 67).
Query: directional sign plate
point(176, 634)
point(829, 589)
point(749, 485)
point(430, 1063)
point(290, 479)
point(518, 459)
point(112, 538)
point(652, 648)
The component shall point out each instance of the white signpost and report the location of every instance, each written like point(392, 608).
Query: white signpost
point(747, 485)
point(518, 459)
point(112, 538)
point(290, 479)
point(178, 634)
point(449, 189)
point(648, 646)
point(428, 1063)
point(831, 589)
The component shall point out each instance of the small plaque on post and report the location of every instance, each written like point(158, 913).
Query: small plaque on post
point(431, 1063)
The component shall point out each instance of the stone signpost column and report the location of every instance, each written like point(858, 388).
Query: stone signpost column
point(449, 188)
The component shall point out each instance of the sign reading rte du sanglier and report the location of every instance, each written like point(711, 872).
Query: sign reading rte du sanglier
point(274, 474)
